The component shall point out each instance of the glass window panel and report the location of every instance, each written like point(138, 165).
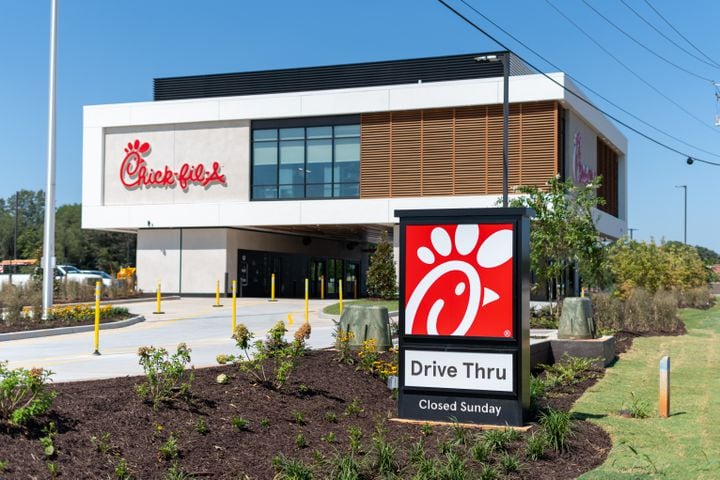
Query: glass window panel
point(347, 190)
point(265, 192)
point(319, 151)
point(319, 191)
point(265, 153)
point(292, 152)
point(264, 174)
point(292, 191)
point(292, 133)
point(347, 150)
point(347, 172)
point(292, 174)
point(347, 131)
point(319, 132)
point(270, 134)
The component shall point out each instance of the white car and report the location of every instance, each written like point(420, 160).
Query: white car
point(107, 279)
point(74, 274)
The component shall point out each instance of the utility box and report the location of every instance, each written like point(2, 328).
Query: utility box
point(576, 319)
point(366, 322)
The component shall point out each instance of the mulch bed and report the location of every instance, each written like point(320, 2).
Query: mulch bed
point(83, 410)
point(624, 339)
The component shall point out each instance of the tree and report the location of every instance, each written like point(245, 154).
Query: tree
point(381, 279)
point(708, 256)
point(563, 232)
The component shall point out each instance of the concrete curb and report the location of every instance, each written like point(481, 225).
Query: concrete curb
point(49, 332)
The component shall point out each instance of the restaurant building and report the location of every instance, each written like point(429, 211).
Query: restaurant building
point(297, 172)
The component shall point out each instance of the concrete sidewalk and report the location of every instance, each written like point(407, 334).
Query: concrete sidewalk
point(204, 328)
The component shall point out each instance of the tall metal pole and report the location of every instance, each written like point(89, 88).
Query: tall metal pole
point(49, 232)
point(14, 267)
point(684, 187)
point(506, 115)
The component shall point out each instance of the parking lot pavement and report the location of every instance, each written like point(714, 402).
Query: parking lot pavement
point(195, 321)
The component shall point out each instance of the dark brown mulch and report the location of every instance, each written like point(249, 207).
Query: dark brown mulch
point(624, 339)
point(25, 325)
point(136, 431)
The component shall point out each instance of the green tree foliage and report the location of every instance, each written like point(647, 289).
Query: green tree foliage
point(670, 266)
point(88, 249)
point(708, 256)
point(563, 232)
point(381, 278)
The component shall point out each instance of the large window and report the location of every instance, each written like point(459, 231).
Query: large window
point(320, 161)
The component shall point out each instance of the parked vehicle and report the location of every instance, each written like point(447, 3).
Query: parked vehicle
point(107, 279)
point(74, 274)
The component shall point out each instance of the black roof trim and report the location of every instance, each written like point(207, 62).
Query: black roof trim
point(354, 75)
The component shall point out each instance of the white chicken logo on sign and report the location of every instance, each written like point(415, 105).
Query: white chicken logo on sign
point(459, 284)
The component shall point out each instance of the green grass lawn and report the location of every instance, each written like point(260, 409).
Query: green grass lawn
point(684, 446)
point(334, 309)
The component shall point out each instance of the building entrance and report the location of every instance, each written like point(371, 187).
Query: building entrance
point(255, 271)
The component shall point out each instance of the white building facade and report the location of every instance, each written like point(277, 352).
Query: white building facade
point(298, 172)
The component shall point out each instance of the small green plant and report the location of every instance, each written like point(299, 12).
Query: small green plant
point(535, 446)
point(102, 444)
point(4, 466)
point(367, 356)
point(166, 376)
point(426, 429)
point(385, 453)
point(455, 467)
point(53, 469)
point(499, 439)
point(354, 408)
point(24, 394)
point(428, 469)
point(169, 450)
point(557, 426)
point(481, 450)
point(304, 389)
point(355, 435)
point(331, 416)
point(329, 437)
point(568, 371)
point(175, 472)
point(264, 423)
point(240, 423)
point(342, 345)
point(298, 417)
point(201, 426)
point(318, 457)
point(290, 469)
point(488, 472)
point(637, 408)
point(48, 440)
point(416, 452)
point(122, 471)
point(509, 463)
point(300, 441)
point(459, 432)
point(344, 467)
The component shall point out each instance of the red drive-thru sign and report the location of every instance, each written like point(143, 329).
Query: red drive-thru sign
point(459, 280)
point(464, 315)
point(136, 173)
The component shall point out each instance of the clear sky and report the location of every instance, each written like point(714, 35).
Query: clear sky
point(110, 51)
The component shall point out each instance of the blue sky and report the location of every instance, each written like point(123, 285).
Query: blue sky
point(110, 51)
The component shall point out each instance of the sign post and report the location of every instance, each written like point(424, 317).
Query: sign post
point(464, 315)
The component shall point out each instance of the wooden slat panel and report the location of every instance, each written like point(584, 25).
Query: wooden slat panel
point(539, 143)
point(405, 176)
point(375, 155)
point(470, 150)
point(437, 154)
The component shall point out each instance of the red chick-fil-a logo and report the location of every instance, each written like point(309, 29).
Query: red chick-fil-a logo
point(134, 172)
point(459, 280)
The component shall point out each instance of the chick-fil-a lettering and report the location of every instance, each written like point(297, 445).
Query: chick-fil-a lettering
point(134, 172)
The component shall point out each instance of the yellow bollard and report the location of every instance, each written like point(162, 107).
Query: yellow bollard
point(290, 320)
point(158, 311)
point(234, 306)
point(97, 319)
point(272, 288)
point(217, 294)
point(582, 292)
point(322, 287)
point(340, 297)
point(307, 293)
point(355, 288)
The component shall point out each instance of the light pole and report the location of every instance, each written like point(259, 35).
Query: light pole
point(684, 187)
point(505, 59)
point(631, 230)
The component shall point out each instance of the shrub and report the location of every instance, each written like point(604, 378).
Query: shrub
point(698, 297)
point(568, 371)
point(273, 360)
point(607, 312)
point(381, 280)
point(290, 469)
point(84, 313)
point(367, 356)
point(166, 376)
point(509, 463)
point(640, 311)
point(345, 467)
point(535, 446)
point(23, 394)
point(557, 427)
